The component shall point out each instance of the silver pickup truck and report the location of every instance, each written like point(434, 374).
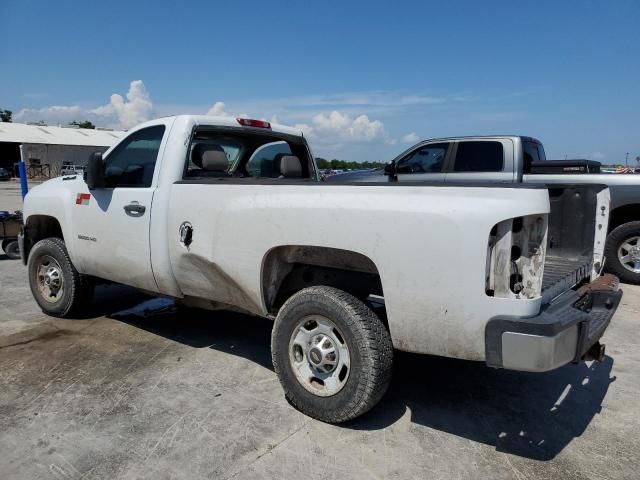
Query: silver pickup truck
point(518, 159)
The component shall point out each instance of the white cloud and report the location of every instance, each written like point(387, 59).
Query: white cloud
point(218, 110)
point(410, 138)
point(327, 127)
point(338, 126)
point(118, 113)
point(52, 114)
point(597, 155)
point(136, 109)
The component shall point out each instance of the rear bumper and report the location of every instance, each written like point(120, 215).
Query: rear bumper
point(564, 331)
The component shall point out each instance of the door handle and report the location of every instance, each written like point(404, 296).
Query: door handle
point(134, 209)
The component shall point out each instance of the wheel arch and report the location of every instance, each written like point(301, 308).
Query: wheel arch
point(288, 269)
point(624, 214)
point(37, 227)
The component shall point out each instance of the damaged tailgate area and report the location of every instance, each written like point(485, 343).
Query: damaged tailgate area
point(571, 237)
point(546, 255)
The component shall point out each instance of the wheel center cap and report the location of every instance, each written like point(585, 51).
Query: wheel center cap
point(315, 355)
point(635, 253)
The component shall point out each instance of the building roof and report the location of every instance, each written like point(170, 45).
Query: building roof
point(45, 134)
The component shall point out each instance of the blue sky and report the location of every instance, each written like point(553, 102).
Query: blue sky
point(363, 79)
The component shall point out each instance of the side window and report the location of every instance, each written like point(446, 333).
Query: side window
point(265, 160)
point(427, 159)
point(479, 157)
point(132, 162)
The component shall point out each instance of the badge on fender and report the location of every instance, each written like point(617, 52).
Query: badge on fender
point(83, 199)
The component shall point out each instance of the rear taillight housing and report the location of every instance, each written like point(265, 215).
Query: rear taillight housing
point(515, 257)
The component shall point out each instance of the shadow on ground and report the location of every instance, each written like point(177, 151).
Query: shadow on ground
point(529, 415)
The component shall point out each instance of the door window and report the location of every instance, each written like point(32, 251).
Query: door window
point(427, 159)
point(131, 164)
point(479, 157)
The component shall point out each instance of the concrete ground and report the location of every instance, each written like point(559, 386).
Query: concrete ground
point(11, 196)
point(124, 394)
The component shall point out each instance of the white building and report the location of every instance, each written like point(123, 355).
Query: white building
point(46, 148)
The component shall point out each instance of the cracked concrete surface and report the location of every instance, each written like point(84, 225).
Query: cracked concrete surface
point(191, 394)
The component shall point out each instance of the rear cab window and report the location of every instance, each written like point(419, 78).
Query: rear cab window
point(532, 152)
point(241, 153)
point(479, 156)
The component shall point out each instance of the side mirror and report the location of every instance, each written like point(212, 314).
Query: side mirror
point(404, 168)
point(95, 171)
point(390, 168)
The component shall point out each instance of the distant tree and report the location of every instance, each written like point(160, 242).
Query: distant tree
point(336, 164)
point(322, 163)
point(6, 116)
point(85, 124)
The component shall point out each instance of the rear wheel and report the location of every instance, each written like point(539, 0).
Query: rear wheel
point(332, 354)
point(12, 249)
point(622, 252)
point(55, 283)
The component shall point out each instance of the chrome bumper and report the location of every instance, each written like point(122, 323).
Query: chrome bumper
point(564, 331)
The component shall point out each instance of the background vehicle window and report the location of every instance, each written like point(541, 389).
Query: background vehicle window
point(533, 152)
point(427, 159)
point(264, 161)
point(132, 162)
point(479, 157)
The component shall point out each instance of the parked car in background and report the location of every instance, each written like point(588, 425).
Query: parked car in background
point(518, 159)
point(71, 170)
point(10, 226)
point(4, 175)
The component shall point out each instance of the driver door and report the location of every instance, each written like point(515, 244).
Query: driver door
point(111, 224)
point(424, 164)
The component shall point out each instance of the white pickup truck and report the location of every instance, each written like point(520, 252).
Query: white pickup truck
point(220, 213)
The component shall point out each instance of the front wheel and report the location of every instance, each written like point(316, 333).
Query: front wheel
point(55, 283)
point(622, 252)
point(332, 354)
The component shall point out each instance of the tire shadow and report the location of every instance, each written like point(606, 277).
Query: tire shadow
point(532, 415)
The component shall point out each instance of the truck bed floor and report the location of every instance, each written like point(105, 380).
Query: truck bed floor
point(561, 273)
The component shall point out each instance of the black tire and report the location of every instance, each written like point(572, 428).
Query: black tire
point(370, 350)
point(12, 249)
point(616, 238)
point(77, 291)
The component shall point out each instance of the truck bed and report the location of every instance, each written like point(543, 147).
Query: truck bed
point(561, 274)
point(572, 226)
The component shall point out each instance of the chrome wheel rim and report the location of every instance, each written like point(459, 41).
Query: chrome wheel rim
point(629, 254)
point(319, 356)
point(49, 279)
